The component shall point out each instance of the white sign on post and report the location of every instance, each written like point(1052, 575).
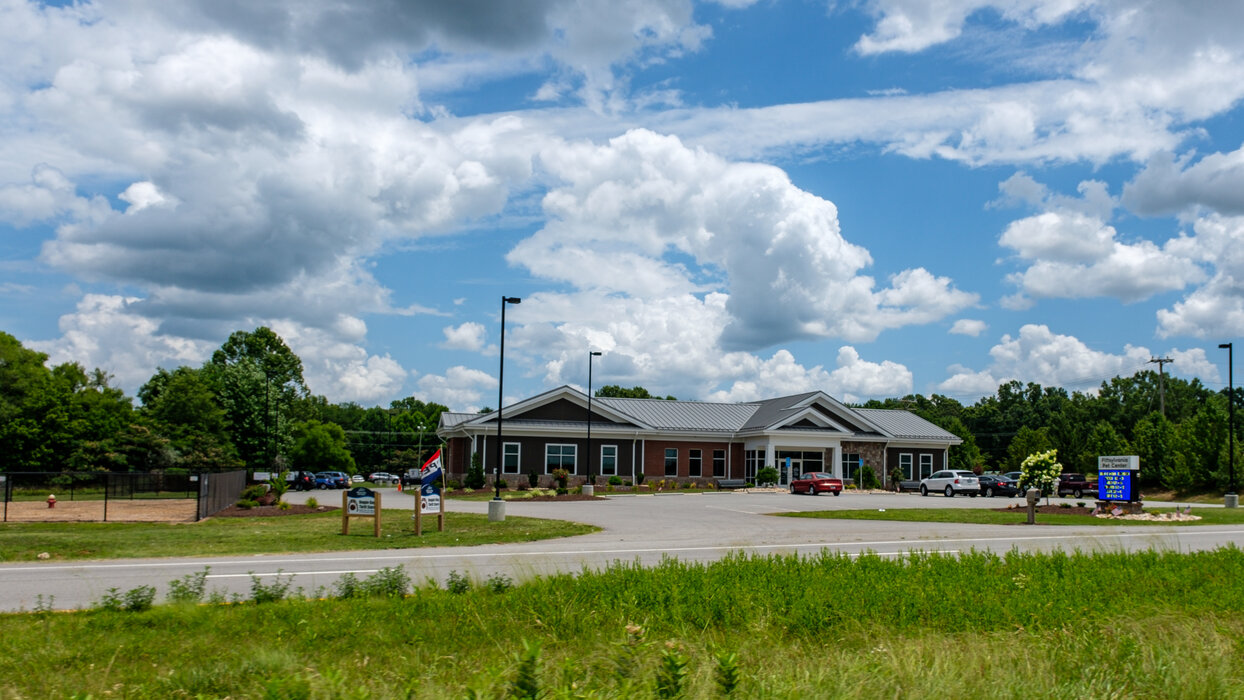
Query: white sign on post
point(361, 505)
point(1128, 462)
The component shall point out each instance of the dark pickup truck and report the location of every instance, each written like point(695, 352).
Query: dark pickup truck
point(1076, 485)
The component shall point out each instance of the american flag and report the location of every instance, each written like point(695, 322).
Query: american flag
point(431, 472)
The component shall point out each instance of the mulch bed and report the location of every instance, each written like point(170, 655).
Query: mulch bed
point(1049, 510)
point(271, 511)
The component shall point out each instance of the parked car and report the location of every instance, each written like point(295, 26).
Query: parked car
point(300, 480)
point(813, 483)
point(1076, 485)
point(382, 478)
point(356, 479)
point(951, 482)
point(332, 480)
point(997, 485)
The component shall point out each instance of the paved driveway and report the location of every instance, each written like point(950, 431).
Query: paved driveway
point(635, 528)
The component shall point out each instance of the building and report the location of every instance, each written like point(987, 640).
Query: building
point(695, 440)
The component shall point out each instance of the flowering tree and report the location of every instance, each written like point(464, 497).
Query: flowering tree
point(1041, 470)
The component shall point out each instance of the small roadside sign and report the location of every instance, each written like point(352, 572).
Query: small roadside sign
point(360, 502)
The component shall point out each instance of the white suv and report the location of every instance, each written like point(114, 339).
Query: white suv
point(950, 482)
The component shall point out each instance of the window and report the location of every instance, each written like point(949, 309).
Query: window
point(851, 466)
point(904, 463)
point(671, 461)
point(560, 457)
point(696, 462)
point(926, 465)
point(719, 462)
point(510, 458)
point(608, 460)
point(751, 461)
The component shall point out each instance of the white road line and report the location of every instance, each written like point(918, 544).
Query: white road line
point(914, 544)
point(340, 572)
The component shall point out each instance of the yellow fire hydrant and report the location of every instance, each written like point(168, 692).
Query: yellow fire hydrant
point(51, 501)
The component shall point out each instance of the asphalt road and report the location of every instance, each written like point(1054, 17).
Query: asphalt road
point(635, 528)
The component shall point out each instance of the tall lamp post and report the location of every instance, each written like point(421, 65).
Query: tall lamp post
point(496, 507)
point(1232, 499)
point(589, 487)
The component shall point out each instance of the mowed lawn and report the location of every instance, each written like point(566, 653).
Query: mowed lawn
point(315, 532)
point(1018, 516)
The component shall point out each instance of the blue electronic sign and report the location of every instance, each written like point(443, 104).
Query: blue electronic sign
point(1116, 485)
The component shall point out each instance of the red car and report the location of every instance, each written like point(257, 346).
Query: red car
point(817, 482)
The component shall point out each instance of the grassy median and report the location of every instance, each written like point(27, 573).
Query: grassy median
point(315, 532)
point(1018, 515)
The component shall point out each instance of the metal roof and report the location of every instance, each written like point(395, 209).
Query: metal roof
point(707, 417)
point(684, 415)
point(905, 424)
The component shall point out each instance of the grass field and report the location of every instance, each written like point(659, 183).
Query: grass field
point(980, 625)
point(320, 532)
point(983, 516)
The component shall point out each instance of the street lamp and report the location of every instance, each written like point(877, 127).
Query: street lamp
point(496, 509)
point(1232, 500)
point(590, 487)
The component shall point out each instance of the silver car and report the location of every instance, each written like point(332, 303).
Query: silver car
point(951, 482)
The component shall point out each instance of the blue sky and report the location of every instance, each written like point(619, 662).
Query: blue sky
point(731, 200)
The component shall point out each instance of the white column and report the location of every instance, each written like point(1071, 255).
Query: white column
point(837, 460)
point(770, 456)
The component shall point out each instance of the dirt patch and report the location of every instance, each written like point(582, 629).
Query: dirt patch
point(180, 510)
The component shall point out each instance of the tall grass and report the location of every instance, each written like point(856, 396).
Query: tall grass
point(977, 625)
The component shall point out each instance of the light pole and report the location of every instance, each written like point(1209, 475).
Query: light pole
point(496, 507)
point(589, 487)
point(1232, 499)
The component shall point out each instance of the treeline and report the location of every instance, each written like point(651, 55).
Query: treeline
point(1179, 431)
point(248, 406)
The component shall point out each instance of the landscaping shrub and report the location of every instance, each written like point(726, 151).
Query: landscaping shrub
point(533, 479)
point(868, 478)
point(615, 480)
point(475, 475)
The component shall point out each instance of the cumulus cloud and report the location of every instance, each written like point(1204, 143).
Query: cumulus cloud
point(104, 332)
point(467, 336)
point(1168, 185)
point(968, 326)
point(1040, 355)
point(631, 207)
point(1216, 308)
point(460, 388)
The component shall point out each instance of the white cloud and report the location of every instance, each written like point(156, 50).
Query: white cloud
point(914, 25)
point(968, 326)
point(1217, 307)
point(1042, 356)
point(468, 336)
point(1167, 185)
point(632, 207)
point(104, 332)
point(1074, 254)
point(460, 388)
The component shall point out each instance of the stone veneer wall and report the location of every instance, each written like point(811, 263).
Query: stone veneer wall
point(872, 454)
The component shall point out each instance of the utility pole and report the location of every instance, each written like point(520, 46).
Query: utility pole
point(1161, 361)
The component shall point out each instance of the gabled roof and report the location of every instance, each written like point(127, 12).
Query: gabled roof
point(905, 424)
point(782, 413)
point(683, 415)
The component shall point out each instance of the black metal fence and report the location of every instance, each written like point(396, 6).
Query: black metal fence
point(218, 491)
point(88, 495)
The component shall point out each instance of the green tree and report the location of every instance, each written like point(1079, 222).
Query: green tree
point(319, 446)
point(1154, 444)
point(258, 380)
point(1027, 441)
point(614, 391)
point(1104, 440)
point(182, 407)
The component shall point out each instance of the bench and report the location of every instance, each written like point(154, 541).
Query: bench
point(731, 483)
